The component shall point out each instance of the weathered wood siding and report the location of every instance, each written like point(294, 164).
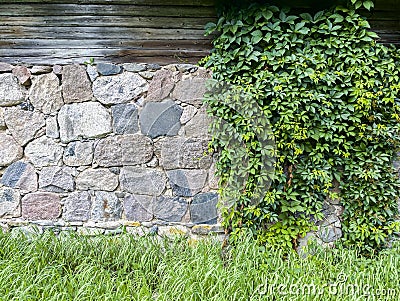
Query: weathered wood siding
point(68, 31)
point(163, 31)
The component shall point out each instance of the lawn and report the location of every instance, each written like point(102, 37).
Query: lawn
point(126, 267)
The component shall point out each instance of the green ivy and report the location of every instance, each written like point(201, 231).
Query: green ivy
point(330, 93)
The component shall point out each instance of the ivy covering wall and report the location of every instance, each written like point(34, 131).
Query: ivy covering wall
point(330, 93)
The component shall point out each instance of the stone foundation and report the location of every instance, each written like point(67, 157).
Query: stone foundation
point(99, 149)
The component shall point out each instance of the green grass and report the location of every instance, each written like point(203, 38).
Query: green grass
point(124, 267)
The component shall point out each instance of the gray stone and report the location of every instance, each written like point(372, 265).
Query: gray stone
point(329, 234)
point(78, 153)
point(92, 72)
point(106, 206)
point(77, 206)
point(125, 118)
point(187, 68)
point(189, 153)
point(2, 121)
point(141, 180)
point(57, 69)
point(43, 152)
point(10, 151)
point(188, 113)
point(52, 130)
point(56, 179)
point(41, 206)
point(119, 88)
point(199, 125)
point(108, 69)
point(170, 209)
point(97, 179)
point(4, 67)
point(23, 125)
point(133, 67)
point(153, 66)
point(160, 119)
point(190, 91)
point(23, 75)
point(138, 207)
point(11, 92)
point(76, 85)
point(83, 120)
point(147, 74)
point(161, 85)
point(187, 182)
point(41, 69)
point(123, 150)
point(20, 175)
point(9, 202)
point(45, 93)
point(203, 208)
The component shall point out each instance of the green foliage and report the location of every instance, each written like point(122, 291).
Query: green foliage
point(125, 267)
point(330, 93)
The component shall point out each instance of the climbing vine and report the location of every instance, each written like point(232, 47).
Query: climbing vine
point(330, 93)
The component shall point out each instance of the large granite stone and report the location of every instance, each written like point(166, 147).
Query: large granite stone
point(123, 150)
point(2, 121)
point(133, 67)
point(161, 85)
point(23, 125)
point(76, 85)
point(106, 206)
point(190, 91)
point(20, 175)
point(177, 153)
point(125, 119)
point(188, 113)
point(199, 125)
point(77, 206)
point(4, 67)
point(108, 69)
point(170, 209)
point(138, 207)
point(56, 179)
point(187, 182)
point(92, 72)
point(83, 120)
point(203, 208)
point(139, 180)
point(45, 93)
point(160, 119)
point(11, 92)
point(96, 179)
point(43, 152)
point(52, 130)
point(9, 202)
point(10, 151)
point(78, 153)
point(41, 206)
point(119, 88)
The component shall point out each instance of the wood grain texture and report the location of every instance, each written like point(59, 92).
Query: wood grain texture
point(119, 31)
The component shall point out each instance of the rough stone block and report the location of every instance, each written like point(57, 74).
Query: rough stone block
point(52, 130)
point(203, 208)
point(83, 120)
point(160, 119)
point(77, 206)
point(76, 85)
point(43, 152)
point(108, 69)
point(138, 207)
point(45, 93)
point(96, 179)
point(23, 74)
point(125, 118)
point(10, 151)
point(161, 85)
point(9, 202)
point(78, 153)
point(20, 175)
point(11, 92)
point(56, 179)
point(140, 180)
point(170, 209)
point(106, 206)
point(187, 182)
point(41, 206)
point(119, 88)
point(190, 91)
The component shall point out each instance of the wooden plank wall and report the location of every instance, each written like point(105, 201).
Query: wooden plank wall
point(70, 31)
point(161, 31)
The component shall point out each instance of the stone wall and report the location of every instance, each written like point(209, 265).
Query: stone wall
point(99, 148)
